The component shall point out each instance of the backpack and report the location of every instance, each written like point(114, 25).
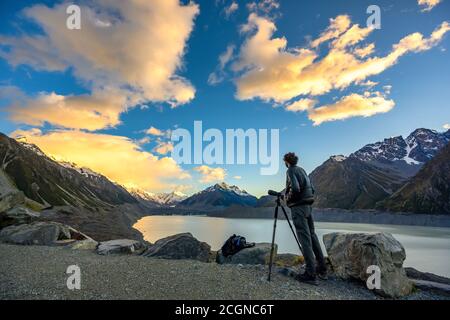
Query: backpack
point(234, 244)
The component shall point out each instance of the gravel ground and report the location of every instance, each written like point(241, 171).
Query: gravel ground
point(38, 272)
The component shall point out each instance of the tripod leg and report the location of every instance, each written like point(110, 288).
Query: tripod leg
point(292, 229)
point(273, 243)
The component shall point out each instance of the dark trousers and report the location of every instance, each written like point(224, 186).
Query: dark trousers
point(304, 225)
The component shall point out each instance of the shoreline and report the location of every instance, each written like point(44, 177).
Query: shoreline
point(343, 216)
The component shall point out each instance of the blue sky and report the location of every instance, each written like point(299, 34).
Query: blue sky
point(419, 79)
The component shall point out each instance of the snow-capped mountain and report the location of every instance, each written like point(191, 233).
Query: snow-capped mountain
point(164, 199)
point(170, 198)
point(419, 147)
point(375, 171)
point(219, 196)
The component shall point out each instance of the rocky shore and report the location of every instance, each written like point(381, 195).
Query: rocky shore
point(36, 255)
point(39, 272)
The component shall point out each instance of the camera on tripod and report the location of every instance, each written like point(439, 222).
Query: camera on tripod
point(279, 196)
point(275, 194)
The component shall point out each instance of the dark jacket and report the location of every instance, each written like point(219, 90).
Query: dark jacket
point(299, 189)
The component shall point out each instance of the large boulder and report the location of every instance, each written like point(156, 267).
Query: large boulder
point(123, 246)
point(11, 199)
point(41, 233)
point(17, 215)
point(180, 246)
point(350, 256)
point(288, 260)
point(259, 254)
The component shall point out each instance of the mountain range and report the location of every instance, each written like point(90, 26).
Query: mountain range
point(395, 174)
point(51, 183)
point(218, 196)
point(377, 171)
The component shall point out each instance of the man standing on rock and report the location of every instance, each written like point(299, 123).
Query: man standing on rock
point(300, 197)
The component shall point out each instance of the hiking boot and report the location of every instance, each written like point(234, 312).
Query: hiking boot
point(322, 273)
point(307, 278)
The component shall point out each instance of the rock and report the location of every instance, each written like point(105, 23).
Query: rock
point(351, 254)
point(40, 233)
point(126, 246)
point(180, 246)
point(418, 275)
point(259, 254)
point(17, 215)
point(11, 199)
point(288, 260)
point(437, 287)
point(87, 244)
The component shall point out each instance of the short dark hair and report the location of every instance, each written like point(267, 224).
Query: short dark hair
point(291, 158)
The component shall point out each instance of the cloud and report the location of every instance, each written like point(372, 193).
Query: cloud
point(88, 111)
point(301, 105)
point(163, 147)
point(154, 131)
point(269, 70)
point(353, 105)
point(211, 174)
point(446, 126)
point(337, 26)
point(219, 74)
point(136, 51)
point(263, 7)
point(237, 177)
point(427, 5)
point(231, 9)
point(116, 157)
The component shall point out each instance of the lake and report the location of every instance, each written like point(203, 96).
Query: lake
point(427, 248)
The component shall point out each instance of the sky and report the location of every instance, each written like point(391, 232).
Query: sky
point(108, 95)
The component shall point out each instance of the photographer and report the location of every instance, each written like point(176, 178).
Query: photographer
point(300, 197)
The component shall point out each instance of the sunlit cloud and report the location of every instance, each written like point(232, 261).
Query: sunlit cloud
point(267, 69)
point(163, 147)
point(154, 131)
point(301, 105)
point(353, 105)
point(273, 72)
point(136, 52)
point(90, 111)
point(446, 126)
point(427, 5)
point(116, 157)
point(210, 174)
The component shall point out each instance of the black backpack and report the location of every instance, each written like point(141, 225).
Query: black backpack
point(234, 244)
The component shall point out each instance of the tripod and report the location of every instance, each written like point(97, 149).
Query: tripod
point(278, 202)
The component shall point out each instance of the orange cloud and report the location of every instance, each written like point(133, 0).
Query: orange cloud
point(273, 72)
point(137, 45)
point(116, 157)
point(90, 111)
point(427, 5)
point(353, 105)
point(301, 105)
point(163, 147)
point(211, 174)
